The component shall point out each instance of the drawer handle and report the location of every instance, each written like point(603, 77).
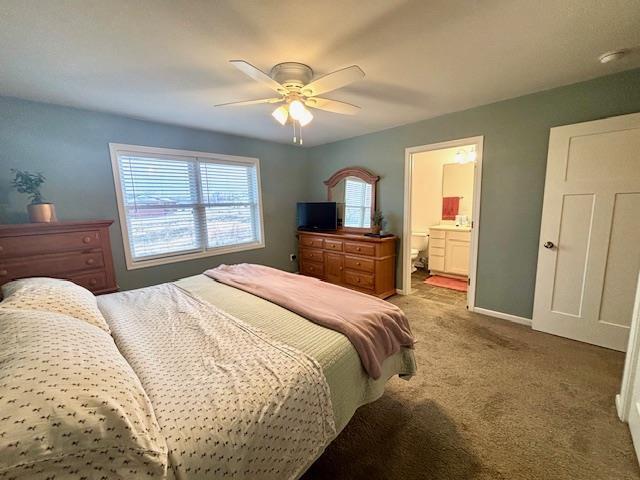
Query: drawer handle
point(91, 261)
point(3, 272)
point(358, 249)
point(93, 282)
point(340, 268)
point(358, 263)
point(1, 248)
point(86, 239)
point(358, 279)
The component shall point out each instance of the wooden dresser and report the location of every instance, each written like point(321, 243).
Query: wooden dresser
point(366, 264)
point(76, 251)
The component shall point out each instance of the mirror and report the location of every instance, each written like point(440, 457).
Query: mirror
point(457, 190)
point(354, 191)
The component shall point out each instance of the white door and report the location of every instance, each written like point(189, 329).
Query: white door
point(628, 402)
point(590, 234)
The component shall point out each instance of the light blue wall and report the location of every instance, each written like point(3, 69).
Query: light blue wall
point(516, 134)
point(71, 147)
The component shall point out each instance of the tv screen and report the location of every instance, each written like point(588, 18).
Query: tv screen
point(317, 216)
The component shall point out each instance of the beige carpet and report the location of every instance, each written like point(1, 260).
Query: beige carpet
point(492, 400)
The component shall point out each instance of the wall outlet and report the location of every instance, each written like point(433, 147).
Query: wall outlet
point(292, 257)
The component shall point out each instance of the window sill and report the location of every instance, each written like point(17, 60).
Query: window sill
point(134, 265)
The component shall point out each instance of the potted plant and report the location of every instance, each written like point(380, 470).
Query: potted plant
point(40, 211)
point(377, 222)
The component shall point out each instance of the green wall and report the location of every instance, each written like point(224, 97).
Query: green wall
point(71, 147)
point(516, 136)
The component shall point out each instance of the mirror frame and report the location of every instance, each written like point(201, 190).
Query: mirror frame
point(364, 175)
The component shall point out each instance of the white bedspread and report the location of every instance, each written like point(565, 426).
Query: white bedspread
point(231, 402)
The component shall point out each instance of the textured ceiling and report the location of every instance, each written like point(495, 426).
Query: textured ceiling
point(167, 60)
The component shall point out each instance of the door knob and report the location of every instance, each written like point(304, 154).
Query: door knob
point(548, 245)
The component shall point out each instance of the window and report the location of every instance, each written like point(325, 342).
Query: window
point(176, 205)
point(357, 203)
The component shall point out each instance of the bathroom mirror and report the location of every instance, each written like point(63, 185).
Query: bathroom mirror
point(457, 189)
point(354, 191)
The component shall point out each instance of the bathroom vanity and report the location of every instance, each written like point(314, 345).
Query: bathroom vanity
point(449, 248)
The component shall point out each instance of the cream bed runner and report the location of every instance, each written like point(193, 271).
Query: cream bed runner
point(231, 401)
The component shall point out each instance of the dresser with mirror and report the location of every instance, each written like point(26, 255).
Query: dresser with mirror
point(347, 256)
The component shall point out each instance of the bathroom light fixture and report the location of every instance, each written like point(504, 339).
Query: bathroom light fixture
point(471, 156)
point(463, 156)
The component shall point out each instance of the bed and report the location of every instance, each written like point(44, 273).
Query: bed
point(284, 389)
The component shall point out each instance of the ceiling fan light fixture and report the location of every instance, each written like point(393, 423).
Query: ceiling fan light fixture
point(296, 110)
point(306, 118)
point(281, 114)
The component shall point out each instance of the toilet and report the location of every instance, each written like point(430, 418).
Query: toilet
point(419, 243)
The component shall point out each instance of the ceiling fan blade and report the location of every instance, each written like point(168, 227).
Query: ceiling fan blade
point(332, 106)
point(250, 102)
point(332, 81)
point(258, 75)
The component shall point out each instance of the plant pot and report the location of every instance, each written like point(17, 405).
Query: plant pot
point(376, 229)
point(42, 213)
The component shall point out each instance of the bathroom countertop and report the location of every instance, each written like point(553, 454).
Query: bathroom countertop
point(450, 227)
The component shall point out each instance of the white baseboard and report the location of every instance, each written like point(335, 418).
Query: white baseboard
point(621, 414)
point(503, 316)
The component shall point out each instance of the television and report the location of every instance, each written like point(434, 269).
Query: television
point(317, 216)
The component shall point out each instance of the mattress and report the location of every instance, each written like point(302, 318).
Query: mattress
point(349, 384)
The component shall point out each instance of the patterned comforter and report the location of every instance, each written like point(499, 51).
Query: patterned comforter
point(231, 401)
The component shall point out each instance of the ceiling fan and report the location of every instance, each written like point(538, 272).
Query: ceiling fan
point(297, 89)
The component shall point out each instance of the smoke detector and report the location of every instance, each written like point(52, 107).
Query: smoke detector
point(613, 55)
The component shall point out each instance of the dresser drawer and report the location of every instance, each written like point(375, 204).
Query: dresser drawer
point(313, 255)
point(309, 241)
point(359, 263)
point(53, 264)
point(95, 281)
point(435, 234)
point(436, 252)
point(362, 280)
point(24, 245)
point(360, 248)
point(312, 269)
point(333, 245)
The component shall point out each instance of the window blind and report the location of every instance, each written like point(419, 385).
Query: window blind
point(357, 200)
point(185, 205)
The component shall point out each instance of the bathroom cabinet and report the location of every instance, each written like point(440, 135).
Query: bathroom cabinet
point(449, 248)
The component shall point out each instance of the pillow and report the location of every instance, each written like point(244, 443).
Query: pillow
point(72, 407)
point(53, 295)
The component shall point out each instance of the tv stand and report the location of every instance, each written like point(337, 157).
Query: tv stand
point(366, 264)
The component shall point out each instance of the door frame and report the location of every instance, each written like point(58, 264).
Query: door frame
point(478, 141)
point(631, 360)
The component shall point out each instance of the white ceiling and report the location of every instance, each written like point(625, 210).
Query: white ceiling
point(167, 60)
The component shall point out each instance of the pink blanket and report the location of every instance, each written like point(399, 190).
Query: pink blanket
point(377, 329)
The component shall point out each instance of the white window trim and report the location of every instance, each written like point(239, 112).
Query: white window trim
point(116, 148)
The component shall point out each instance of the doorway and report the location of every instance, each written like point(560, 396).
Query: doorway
point(441, 219)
